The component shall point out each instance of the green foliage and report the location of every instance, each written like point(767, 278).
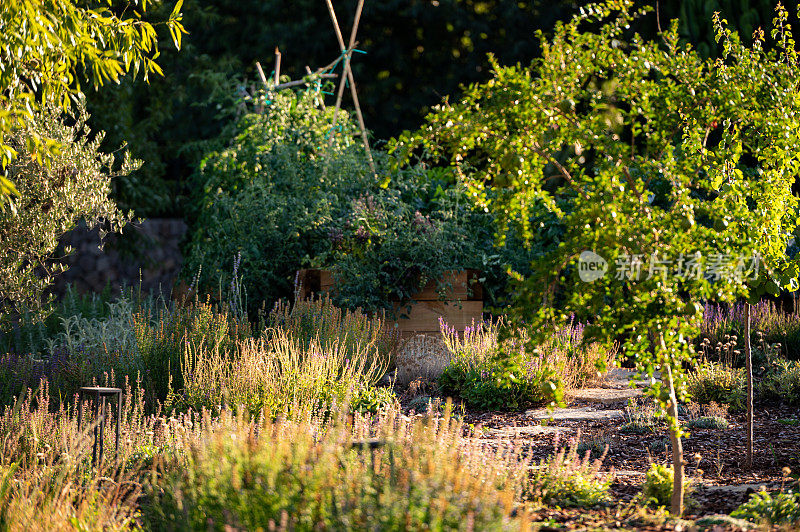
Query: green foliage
point(372, 399)
point(566, 479)
point(778, 509)
point(171, 121)
point(505, 381)
point(276, 198)
point(719, 383)
point(264, 195)
point(74, 186)
point(146, 456)
point(695, 20)
point(657, 487)
point(392, 244)
point(48, 49)
point(781, 382)
point(777, 380)
point(634, 149)
point(113, 332)
point(31, 334)
point(489, 373)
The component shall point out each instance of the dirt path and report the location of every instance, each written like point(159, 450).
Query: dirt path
point(596, 415)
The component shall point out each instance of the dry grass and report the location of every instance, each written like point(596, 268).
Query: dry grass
point(565, 352)
point(277, 372)
point(196, 471)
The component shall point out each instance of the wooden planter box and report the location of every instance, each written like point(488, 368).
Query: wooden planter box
point(462, 306)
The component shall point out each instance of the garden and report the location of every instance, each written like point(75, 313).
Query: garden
point(563, 298)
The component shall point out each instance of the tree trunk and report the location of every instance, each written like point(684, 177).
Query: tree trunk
point(677, 448)
point(748, 356)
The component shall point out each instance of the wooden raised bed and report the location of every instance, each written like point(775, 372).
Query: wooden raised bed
point(462, 306)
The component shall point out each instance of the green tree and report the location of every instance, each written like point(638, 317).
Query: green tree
point(416, 50)
point(74, 186)
point(671, 173)
point(49, 48)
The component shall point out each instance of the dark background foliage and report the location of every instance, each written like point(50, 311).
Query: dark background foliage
point(417, 53)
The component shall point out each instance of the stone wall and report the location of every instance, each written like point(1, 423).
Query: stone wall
point(148, 251)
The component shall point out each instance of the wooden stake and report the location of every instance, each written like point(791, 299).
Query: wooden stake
point(299, 82)
point(322, 98)
point(349, 77)
point(261, 75)
point(361, 125)
point(346, 59)
point(748, 353)
point(277, 66)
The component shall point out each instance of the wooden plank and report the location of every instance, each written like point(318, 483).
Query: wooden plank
point(326, 282)
point(464, 287)
point(424, 315)
point(308, 283)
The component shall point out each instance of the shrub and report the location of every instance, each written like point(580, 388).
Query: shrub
point(97, 346)
point(282, 199)
point(420, 474)
point(320, 320)
point(567, 479)
point(33, 334)
point(112, 332)
point(271, 193)
point(706, 416)
point(657, 488)
point(506, 381)
point(75, 186)
point(509, 375)
point(595, 446)
point(778, 509)
point(642, 416)
point(163, 336)
point(394, 242)
point(781, 382)
point(719, 383)
point(368, 399)
point(278, 374)
point(708, 422)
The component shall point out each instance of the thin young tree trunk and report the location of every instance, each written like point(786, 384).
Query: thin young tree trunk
point(748, 354)
point(677, 448)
